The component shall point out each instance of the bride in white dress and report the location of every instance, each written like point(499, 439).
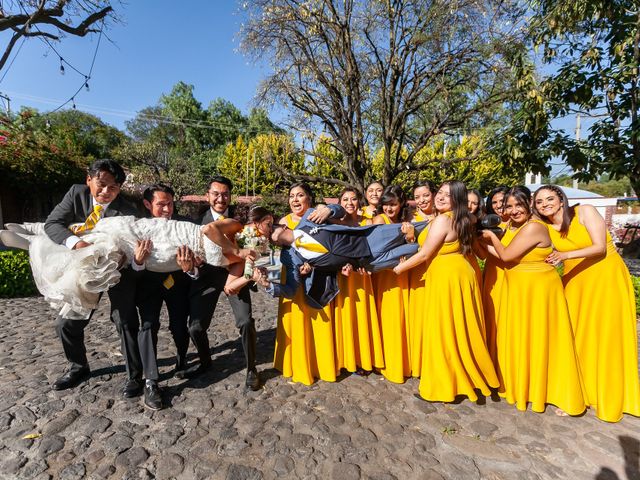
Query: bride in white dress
point(72, 280)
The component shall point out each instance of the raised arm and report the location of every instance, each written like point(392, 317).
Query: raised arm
point(530, 236)
point(594, 223)
point(220, 233)
point(437, 234)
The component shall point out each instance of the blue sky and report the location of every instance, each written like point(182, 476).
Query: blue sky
point(158, 44)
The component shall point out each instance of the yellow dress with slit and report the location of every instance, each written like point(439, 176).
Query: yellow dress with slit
point(455, 359)
point(304, 347)
point(493, 276)
point(416, 307)
point(392, 299)
point(357, 328)
point(537, 361)
point(602, 308)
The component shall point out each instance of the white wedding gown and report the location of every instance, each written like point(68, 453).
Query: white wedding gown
point(72, 280)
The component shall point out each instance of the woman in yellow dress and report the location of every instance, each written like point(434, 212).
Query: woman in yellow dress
point(455, 359)
point(537, 362)
point(601, 303)
point(372, 194)
point(304, 347)
point(493, 274)
point(423, 194)
point(392, 293)
point(357, 329)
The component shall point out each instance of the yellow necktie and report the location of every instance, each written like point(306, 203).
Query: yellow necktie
point(221, 217)
point(311, 246)
point(90, 222)
point(168, 282)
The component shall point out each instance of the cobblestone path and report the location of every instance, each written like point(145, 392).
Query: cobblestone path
point(358, 427)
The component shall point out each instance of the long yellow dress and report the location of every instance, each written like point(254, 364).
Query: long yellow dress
point(537, 361)
point(602, 308)
point(357, 328)
point(493, 276)
point(416, 307)
point(304, 347)
point(392, 300)
point(455, 359)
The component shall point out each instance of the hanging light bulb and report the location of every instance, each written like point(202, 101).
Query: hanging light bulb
point(73, 103)
point(86, 86)
point(48, 124)
point(61, 67)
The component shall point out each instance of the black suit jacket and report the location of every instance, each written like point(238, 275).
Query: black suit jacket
point(75, 207)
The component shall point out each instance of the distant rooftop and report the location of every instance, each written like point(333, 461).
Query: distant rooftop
point(569, 191)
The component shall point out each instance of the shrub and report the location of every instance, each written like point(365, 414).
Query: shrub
point(15, 275)
point(636, 288)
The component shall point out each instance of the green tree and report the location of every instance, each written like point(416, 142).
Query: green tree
point(593, 49)
point(395, 74)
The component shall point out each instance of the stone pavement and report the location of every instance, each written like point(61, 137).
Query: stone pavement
point(358, 427)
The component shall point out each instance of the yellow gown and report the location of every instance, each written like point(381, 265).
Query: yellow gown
point(416, 307)
point(537, 362)
point(392, 299)
point(304, 347)
point(357, 328)
point(493, 276)
point(455, 359)
point(602, 308)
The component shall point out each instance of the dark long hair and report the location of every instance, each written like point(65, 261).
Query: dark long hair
point(461, 218)
point(522, 195)
point(492, 193)
point(258, 213)
point(394, 193)
point(481, 211)
point(567, 212)
point(352, 190)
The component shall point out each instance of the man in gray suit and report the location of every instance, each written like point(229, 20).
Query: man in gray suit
point(206, 290)
point(86, 205)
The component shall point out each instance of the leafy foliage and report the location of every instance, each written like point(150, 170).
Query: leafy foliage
point(593, 49)
point(392, 75)
point(15, 275)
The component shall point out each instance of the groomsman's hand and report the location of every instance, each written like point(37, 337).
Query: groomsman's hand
point(347, 269)
point(305, 269)
point(184, 258)
point(80, 244)
point(142, 251)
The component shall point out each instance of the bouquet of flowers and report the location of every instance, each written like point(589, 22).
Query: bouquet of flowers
point(249, 237)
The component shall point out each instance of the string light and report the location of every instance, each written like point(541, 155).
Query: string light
point(61, 66)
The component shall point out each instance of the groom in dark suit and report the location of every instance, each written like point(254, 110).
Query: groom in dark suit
point(80, 209)
point(206, 290)
point(317, 252)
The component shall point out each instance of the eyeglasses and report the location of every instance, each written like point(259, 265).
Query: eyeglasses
point(215, 194)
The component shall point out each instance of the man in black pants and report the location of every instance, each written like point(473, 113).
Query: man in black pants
point(206, 290)
point(85, 205)
point(139, 336)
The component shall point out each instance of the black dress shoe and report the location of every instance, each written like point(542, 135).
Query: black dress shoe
point(133, 388)
point(72, 378)
point(152, 396)
point(253, 380)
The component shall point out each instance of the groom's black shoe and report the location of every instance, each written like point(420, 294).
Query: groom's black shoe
point(253, 380)
point(72, 378)
point(152, 395)
point(133, 388)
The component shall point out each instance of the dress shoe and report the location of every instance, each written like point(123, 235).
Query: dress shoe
point(181, 370)
point(133, 388)
point(72, 378)
point(152, 396)
point(253, 380)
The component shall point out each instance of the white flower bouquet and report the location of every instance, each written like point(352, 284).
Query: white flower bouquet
point(249, 237)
